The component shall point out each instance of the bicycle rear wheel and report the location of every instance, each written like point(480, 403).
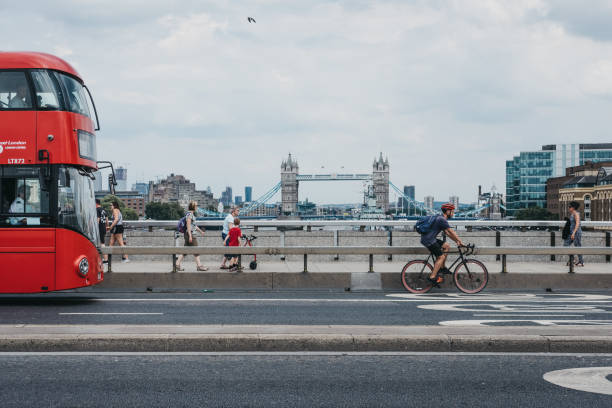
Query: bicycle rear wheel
point(471, 276)
point(414, 276)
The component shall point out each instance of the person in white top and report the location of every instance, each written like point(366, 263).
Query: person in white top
point(228, 223)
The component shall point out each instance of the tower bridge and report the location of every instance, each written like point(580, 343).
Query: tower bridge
point(290, 179)
point(378, 179)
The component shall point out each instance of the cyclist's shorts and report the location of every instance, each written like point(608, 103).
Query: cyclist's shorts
point(436, 247)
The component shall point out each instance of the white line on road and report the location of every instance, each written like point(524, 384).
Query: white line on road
point(547, 322)
point(288, 353)
point(110, 313)
point(526, 315)
point(315, 300)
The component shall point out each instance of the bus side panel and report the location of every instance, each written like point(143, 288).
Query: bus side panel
point(27, 260)
point(17, 137)
point(71, 248)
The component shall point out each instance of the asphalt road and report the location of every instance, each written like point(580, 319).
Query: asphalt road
point(299, 379)
point(310, 308)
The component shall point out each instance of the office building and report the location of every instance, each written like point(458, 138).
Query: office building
point(238, 200)
point(407, 206)
point(590, 185)
point(429, 202)
point(527, 173)
point(121, 178)
point(454, 200)
point(227, 197)
point(142, 188)
point(178, 189)
point(248, 194)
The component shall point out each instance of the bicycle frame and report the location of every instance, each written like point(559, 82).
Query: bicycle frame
point(461, 258)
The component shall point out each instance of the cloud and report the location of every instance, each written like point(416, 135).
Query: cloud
point(441, 86)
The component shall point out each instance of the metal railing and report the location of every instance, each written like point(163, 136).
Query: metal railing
point(308, 224)
point(347, 250)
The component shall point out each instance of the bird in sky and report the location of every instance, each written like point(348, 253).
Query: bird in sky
point(251, 20)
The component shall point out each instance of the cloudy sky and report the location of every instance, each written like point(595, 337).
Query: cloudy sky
point(447, 89)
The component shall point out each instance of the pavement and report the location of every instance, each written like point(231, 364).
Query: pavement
point(343, 276)
point(219, 338)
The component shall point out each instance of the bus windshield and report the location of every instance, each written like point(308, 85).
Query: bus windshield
point(29, 197)
point(76, 202)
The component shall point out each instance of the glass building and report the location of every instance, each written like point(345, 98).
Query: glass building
point(526, 174)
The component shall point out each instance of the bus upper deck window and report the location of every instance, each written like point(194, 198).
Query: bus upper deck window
point(75, 95)
point(14, 90)
point(48, 91)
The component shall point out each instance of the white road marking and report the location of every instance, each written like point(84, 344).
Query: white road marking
point(289, 353)
point(520, 308)
point(589, 379)
point(392, 298)
point(527, 315)
point(110, 313)
point(481, 297)
point(540, 322)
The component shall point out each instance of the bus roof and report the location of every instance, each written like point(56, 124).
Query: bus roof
point(35, 60)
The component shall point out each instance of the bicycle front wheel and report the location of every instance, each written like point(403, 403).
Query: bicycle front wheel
point(414, 276)
point(471, 276)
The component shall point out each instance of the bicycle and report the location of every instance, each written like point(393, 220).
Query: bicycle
point(470, 275)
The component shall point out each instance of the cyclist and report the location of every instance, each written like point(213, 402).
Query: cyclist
point(437, 247)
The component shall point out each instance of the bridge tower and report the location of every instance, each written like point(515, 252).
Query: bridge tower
point(289, 186)
point(380, 180)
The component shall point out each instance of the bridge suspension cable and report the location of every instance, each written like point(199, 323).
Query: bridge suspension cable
point(417, 204)
point(261, 200)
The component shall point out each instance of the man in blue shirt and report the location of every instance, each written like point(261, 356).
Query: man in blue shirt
point(438, 247)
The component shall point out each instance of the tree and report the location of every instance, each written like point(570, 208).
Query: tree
point(128, 213)
point(164, 211)
point(534, 214)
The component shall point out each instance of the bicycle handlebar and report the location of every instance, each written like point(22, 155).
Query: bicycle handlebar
point(469, 249)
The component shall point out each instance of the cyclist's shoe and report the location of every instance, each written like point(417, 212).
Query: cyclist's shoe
point(445, 271)
point(436, 281)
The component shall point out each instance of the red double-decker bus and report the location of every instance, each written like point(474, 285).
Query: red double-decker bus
point(49, 237)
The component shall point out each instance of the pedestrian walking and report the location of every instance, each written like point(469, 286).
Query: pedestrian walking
point(228, 223)
point(102, 225)
point(575, 231)
point(116, 228)
point(189, 235)
point(233, 240)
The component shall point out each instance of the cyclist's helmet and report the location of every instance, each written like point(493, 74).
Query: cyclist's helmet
point(447, 206)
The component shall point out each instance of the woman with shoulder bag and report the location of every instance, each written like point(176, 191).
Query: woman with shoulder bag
point(190, 239)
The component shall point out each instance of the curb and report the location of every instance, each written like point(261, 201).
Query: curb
point(336, 280)
point(301, 342)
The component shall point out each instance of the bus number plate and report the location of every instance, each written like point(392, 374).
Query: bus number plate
point(16, 161)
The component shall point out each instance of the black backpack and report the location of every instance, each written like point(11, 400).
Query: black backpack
point(565, 234)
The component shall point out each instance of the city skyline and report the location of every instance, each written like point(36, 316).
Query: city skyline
point(199, 91)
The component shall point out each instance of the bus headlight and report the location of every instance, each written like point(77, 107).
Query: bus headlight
point(83, 267)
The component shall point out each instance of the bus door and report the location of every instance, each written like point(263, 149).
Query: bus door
point(17, 119)
point(27, 236)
